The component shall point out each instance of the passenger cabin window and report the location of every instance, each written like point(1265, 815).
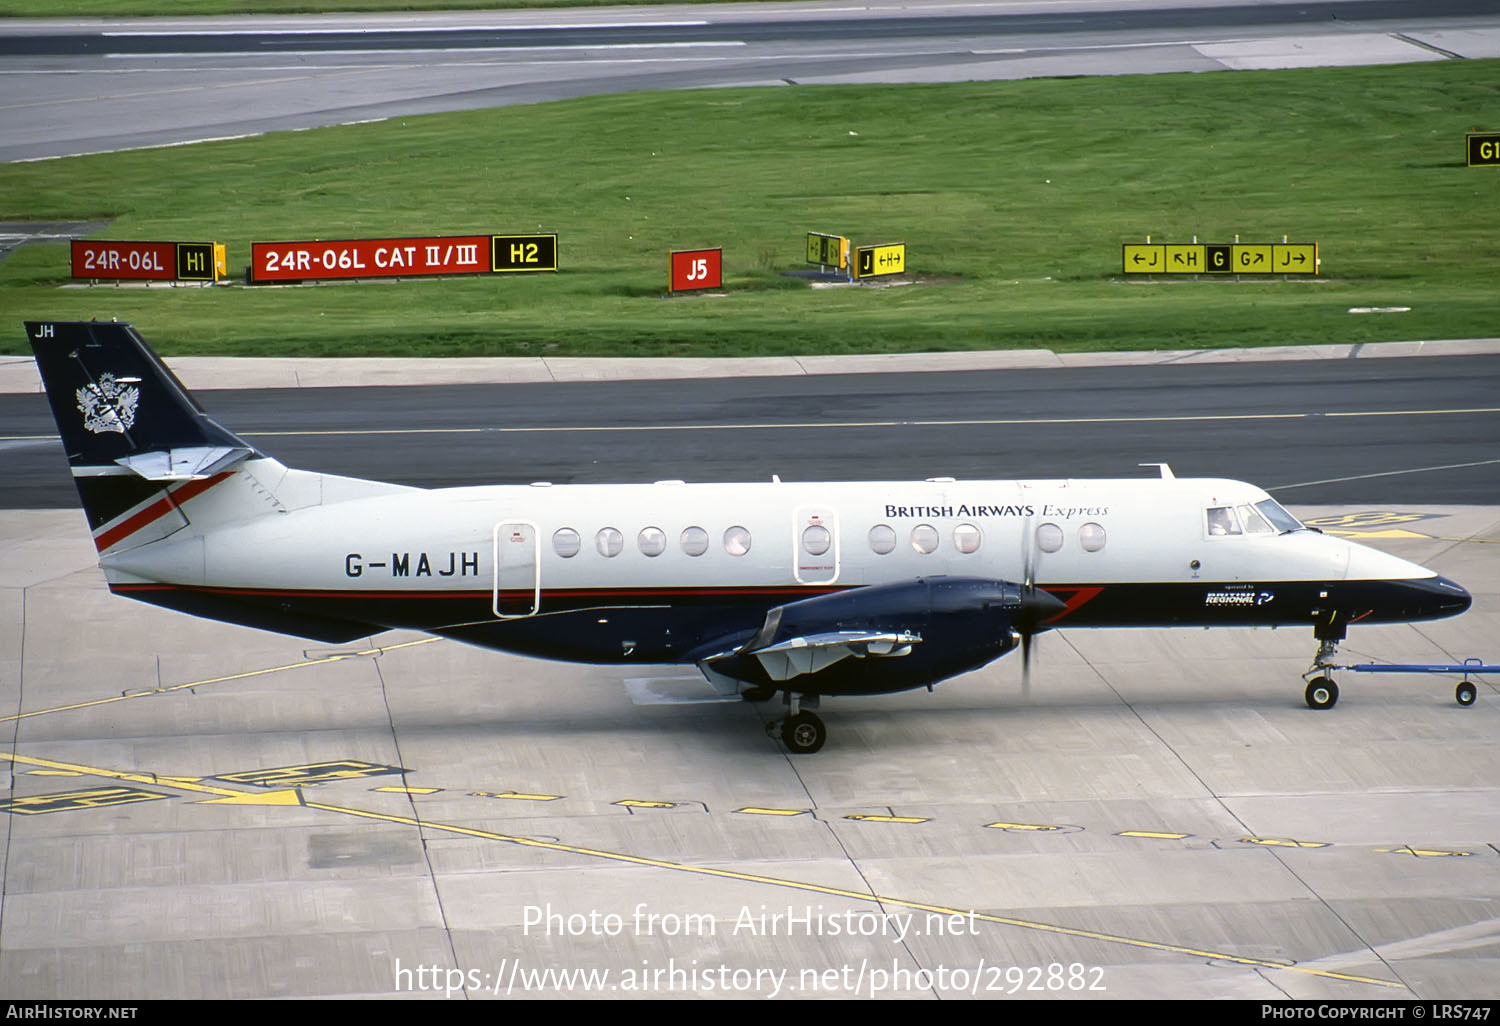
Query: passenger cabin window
point(652, 541)
point(565, 542)
point(737, 541)
point(694, 541)
point(1091, 537)
point(609, 542)
point(924, 538)
point(882, 539)
point(1221, 521)
point(816, 539)
point(966, 538)
point(1049, 537)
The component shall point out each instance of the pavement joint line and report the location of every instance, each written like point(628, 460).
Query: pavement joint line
point(226, 679)
point(276, 798)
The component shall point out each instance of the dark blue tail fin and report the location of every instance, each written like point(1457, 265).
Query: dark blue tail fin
point(131, 430)
point(114, 398)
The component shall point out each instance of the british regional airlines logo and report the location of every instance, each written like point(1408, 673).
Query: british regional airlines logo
point(108, 405)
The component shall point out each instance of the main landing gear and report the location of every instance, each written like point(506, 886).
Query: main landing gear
point(802, 731)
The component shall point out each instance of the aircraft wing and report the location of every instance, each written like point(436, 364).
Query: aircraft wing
point(811, 653)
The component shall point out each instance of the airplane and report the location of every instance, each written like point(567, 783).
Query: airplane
point(805, 589)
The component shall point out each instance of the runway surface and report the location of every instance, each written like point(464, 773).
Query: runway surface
point(1319, 431)
point(87, 86)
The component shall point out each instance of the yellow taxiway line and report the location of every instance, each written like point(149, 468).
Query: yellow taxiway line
point(295, 796)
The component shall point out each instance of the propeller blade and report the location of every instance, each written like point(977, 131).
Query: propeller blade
point(1026, 665)
point(1036, 606)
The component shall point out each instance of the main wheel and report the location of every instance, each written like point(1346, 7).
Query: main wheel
point(1465, 693)
point(803, 733)
point(1322, 693)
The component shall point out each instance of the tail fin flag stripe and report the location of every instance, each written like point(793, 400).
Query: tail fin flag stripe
point(169, 501)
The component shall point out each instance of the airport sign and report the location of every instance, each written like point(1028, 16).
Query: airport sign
point(509, 253)
point(368, 258)
point(1184, 259)
point(1294, 258)
point(828, 250)
point(1220, 258)
point(691, 269)
point(1482, 149)
point(1146, 259)
point(873, 261)
point(148, 261)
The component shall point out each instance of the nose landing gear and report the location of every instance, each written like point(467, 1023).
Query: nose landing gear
point(1322, 692)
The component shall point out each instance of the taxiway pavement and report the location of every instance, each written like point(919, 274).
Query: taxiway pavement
point(203, 811)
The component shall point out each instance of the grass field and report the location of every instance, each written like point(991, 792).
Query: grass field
point(1013, 198)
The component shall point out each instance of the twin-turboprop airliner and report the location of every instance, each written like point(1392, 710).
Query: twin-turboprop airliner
point(805, 589)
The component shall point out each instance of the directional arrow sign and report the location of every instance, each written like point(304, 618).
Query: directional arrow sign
point(828, 250)
point(1294, 258)
point(1252, 259)
point(1185, 259)
point(1144, 259)
point(872, 261)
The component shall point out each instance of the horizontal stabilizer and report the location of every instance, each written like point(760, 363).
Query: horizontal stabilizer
point(190, 463)
point(798, 656)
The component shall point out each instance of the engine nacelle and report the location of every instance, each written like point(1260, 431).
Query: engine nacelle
point(887, 637)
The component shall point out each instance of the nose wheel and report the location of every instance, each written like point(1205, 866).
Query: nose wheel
point(1322, 693)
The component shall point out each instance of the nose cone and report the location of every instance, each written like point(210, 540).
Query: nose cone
point(1449, 597)
point(1424, 598)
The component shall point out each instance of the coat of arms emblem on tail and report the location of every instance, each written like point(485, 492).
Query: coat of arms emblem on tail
point(108, 405)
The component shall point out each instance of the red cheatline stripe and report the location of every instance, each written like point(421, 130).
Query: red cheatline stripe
point(1080, 596)
point(639, 594)
point(158, 509)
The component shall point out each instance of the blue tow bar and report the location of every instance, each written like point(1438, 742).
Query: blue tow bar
point(1466, 667)
point(1465, 693)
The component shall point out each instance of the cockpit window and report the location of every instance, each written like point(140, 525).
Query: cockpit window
point(1280, 519)
point(1221, 521)
point(1254, 522)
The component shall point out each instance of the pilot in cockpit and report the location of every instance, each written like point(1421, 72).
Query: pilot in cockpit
point(1221, 521)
